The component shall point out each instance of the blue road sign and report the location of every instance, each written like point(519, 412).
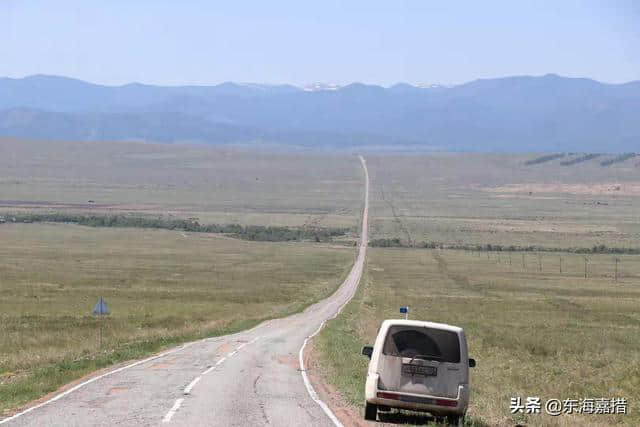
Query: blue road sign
point(101, 308)
point(404, 310)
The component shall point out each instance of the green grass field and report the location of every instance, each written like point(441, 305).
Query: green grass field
point(163, 287)
point(533, 333)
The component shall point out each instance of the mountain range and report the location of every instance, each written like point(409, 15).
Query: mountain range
point(520, 113)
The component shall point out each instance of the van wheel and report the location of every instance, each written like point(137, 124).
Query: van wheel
point(370, 411)
point(455, 420)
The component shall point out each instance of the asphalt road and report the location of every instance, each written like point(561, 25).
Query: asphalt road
point(250, 378)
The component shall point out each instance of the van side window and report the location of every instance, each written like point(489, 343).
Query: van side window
point(422, 343)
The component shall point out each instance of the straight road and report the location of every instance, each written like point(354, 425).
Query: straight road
point(255, 377)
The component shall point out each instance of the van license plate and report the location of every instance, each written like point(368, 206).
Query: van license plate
point(430, 371)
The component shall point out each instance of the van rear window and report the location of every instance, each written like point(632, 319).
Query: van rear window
point(422, 343)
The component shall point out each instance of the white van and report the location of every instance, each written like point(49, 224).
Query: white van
point(421, 366)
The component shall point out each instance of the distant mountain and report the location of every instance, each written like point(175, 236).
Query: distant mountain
point(158, 126)
point(522, 113)
point(314, 87)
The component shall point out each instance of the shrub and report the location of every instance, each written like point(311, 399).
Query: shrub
point(543, 159)
point(249, 232)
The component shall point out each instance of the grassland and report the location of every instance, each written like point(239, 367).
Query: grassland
point(216, 185)
point(497, 199)
point(536, 327)
point(534, 333)
point(162, 286)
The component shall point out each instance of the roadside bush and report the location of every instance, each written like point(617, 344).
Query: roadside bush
point(249, 232)
point(618, 159)
point(581, 159)
point(598, 249)
point(545, 158)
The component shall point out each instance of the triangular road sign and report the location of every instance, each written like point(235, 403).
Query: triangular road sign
point(101, 308)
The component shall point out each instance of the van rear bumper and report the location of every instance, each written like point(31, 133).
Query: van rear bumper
point(417, 402)
point(435, 405)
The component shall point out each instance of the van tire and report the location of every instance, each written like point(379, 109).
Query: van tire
point(455, 420)
point(370, 411)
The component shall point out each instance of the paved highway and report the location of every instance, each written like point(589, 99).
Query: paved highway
point(255, 377)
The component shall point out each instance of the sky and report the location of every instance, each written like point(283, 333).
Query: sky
point(178, 42)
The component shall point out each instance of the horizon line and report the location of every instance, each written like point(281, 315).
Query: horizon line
point(327, 85)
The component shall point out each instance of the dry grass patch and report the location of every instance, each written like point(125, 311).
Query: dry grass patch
point(162, 286)
point(444, 198)
point(533, 333)
point(215, 184)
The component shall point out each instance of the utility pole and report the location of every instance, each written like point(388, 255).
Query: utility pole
point(539, 262)
point(616, 274)
point(560, 264)
point(509, 257)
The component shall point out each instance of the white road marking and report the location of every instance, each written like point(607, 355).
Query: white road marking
point(308, 385)
point(211, 368)
point(94, 379)
point(305, 378)
point(195, 381)
point(173, 410)
point(139, 362)
point(188, 388)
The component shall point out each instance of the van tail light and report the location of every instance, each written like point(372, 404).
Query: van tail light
point(445, 402)
point(388, 396)
point(416, 399)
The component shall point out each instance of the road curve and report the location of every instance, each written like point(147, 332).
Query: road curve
point(254, 377)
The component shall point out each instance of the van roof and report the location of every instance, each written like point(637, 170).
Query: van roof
point(421, 323)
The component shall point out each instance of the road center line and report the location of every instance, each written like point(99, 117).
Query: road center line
point(173, 410)
point(115, 371)
point(192, 384)
point(211, 368)
point(188, 388)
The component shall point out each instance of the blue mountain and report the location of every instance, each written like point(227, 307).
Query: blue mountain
point(520, 113)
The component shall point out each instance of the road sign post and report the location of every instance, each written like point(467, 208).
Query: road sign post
point(101, 310)
point(405, 311)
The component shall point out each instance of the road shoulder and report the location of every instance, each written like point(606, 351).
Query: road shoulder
point(348, 414)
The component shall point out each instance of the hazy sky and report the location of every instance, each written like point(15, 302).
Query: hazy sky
point(382, 42)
